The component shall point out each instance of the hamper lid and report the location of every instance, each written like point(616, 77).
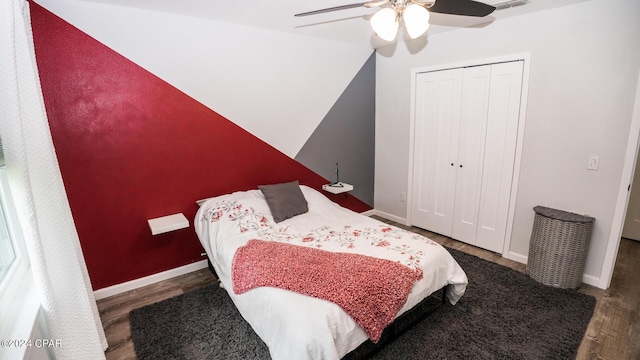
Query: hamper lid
point(562, 215)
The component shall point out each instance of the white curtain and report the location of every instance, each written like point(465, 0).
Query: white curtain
point(57, 263)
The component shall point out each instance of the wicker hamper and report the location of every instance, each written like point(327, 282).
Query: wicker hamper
point(558, 247)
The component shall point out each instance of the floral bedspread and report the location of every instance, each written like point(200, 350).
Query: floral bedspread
point(347, 238)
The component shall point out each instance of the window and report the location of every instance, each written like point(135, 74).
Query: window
point(7, 252)
point(14, 264)
point(7, 249)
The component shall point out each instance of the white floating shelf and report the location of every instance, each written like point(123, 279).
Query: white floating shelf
point(168, 223)
point(337, 189)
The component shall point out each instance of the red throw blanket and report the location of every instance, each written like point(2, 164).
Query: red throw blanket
point(370, 290)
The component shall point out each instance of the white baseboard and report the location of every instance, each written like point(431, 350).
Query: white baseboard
point(591, 280)
point(148, 280)
point(368, 212)
point(516, 257)
point(389, 216)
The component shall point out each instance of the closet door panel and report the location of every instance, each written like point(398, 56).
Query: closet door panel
point(472, 133)
point(499, 154)
point(437, 107)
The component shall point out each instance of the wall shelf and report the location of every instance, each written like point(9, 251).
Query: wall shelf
point(168, 223)
point(334, 189)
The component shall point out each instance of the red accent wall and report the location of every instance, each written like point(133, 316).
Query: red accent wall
point(131, 147)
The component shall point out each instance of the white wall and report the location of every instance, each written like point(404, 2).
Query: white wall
point(40, 335)
point(585, 60)
point(268, 82)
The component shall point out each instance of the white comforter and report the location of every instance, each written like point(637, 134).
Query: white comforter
point(296, 326)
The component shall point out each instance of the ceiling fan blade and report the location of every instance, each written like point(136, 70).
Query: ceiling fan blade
point(375, 3)
point(462, 7)
point(335, 8)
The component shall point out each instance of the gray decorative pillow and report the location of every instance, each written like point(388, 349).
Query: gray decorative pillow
point(285, 200)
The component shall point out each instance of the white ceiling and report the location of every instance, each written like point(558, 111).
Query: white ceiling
point(350, 25)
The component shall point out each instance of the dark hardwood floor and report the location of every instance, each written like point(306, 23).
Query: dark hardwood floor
point(612, 334)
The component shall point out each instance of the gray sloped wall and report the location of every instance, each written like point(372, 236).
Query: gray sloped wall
point(347, 136)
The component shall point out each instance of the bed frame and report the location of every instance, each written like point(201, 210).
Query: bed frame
point(398, 327)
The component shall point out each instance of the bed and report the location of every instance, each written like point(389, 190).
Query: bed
point(292, 324)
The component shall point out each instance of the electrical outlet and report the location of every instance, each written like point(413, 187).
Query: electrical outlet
point(403, 196)
point(594, 161)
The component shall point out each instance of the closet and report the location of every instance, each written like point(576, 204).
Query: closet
point(465, 132)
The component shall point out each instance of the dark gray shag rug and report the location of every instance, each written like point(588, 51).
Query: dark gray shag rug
point(503, 315)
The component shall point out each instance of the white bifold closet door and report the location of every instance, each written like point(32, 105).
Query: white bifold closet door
point(466, 126)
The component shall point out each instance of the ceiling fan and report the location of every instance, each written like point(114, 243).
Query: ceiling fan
point(413, 13)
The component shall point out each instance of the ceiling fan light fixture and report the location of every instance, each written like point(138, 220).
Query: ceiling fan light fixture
point(416, 20)
point(414, 13)
point(385, 23)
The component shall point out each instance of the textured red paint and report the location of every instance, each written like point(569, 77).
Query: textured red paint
point(132, 147)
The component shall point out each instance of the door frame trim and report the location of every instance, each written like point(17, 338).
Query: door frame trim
point(620, 212)
point(526, 59)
